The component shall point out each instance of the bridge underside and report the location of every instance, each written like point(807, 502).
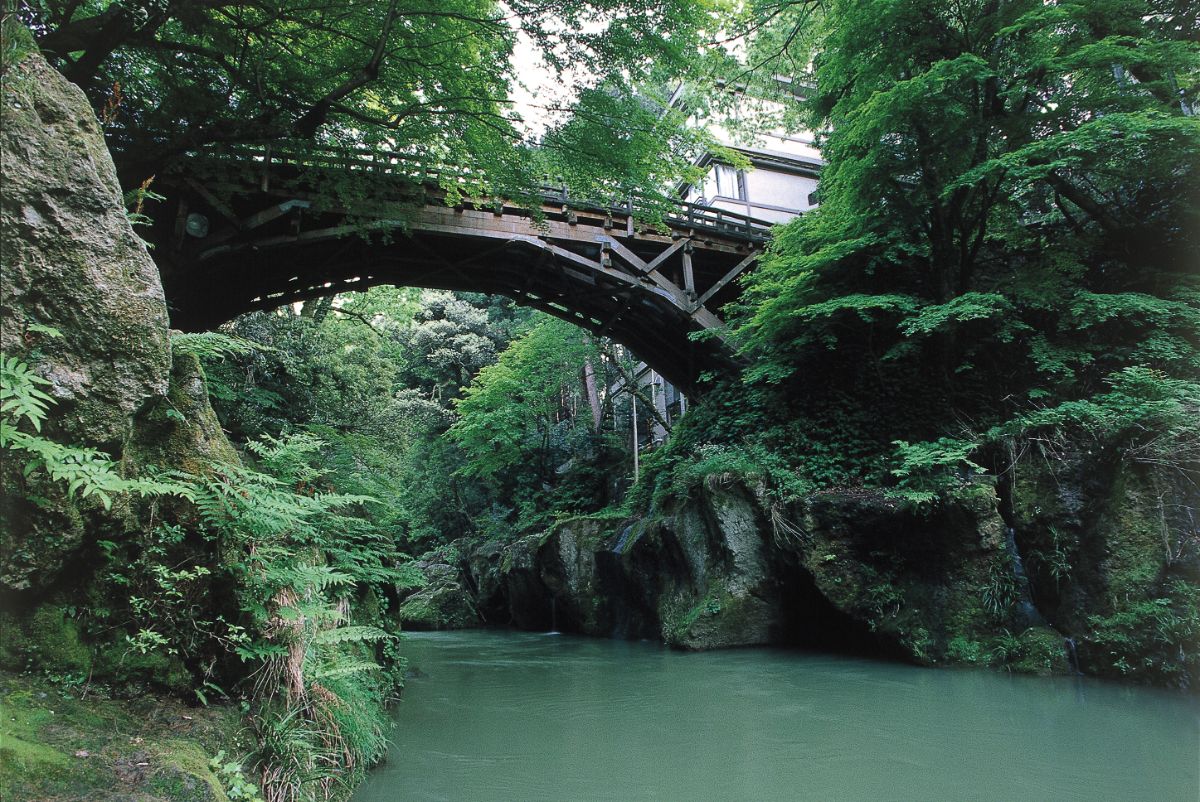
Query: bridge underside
point(263, 246)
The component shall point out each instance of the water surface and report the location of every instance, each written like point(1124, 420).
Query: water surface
point(519, 716)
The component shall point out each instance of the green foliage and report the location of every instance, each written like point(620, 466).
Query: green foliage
point(963, 650)
point(1153, 639)
point(15, 41)
point(976, 293)
point(373, 376)
point(297, 557)
point(135, 204)
point(234, 783)
point(1000, 592)
point(20, 398)
point(424, 78)
point(210, 345)
point(508, 415)
point(928, 471)
point(1036, 650)
point(85, 471)
point(159, 590)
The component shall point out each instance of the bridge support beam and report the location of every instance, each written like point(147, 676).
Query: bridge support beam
point(648, 288)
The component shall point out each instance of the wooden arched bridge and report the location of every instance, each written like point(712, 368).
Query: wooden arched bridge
point(258, 228)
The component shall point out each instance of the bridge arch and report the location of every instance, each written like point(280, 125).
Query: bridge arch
point(256, 229)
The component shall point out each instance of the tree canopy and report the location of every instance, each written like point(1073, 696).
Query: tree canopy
point(1009, 214)
point(427, 78)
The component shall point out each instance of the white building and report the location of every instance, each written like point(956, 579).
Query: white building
point(780, 184)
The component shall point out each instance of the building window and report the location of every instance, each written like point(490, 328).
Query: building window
point(731, 183)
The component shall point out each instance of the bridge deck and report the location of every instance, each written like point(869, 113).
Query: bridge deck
point(258, 228)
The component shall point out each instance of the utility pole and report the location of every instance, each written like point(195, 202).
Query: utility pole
point(633, 415)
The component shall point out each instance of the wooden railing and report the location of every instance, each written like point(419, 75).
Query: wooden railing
point(414, 169)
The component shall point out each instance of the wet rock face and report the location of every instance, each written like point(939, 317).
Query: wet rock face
point(859, 571)
point(843, 570)
point(698, 577)
point(72, 262)
point(1112, 549)
point(731, 598)
point(443, 603)
point(483, 569)
point(915, 579)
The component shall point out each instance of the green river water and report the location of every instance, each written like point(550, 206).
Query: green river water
point(519, 716)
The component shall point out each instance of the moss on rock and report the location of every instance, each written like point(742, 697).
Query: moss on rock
point(446, 605)
point(71, 744)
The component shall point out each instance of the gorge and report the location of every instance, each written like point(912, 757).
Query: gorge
point(923, 525)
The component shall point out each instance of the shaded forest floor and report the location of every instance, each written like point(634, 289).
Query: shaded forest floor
point(59, 742)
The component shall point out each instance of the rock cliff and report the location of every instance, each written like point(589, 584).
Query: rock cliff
point(972, 581)
point(83, 306)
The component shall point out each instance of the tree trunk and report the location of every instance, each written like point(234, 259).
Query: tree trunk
point(593, 395)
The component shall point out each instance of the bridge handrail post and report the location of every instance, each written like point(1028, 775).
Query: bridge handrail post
point(265, 181)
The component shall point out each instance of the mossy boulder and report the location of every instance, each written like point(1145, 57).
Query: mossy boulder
point(1113, 558)
point(566, 566)
point(82, 304)
point(181, 430)
point(443, 602)
point(729, 596)
point(446, 605)
point(73, 262)
point(643, 579)
point(936, 584)
point(47, 639)
point(131, 673)
point(483, 566)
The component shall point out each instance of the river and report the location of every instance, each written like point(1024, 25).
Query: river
point(519, 716)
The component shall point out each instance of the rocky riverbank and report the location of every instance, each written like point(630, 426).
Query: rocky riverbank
point(971, 582)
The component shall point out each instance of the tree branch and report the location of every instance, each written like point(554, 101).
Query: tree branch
point(316, 116)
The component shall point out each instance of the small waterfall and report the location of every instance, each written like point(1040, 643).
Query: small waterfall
point(553, 617)
point(1072, 656)
point(623, 540)
point(1029, 611)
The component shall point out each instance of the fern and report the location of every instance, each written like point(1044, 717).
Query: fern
point(214, 345)
point(85, 471)
point(343, 669)
point(296, 557)
point(929, 470)
point(20, 398)
point(355, 634)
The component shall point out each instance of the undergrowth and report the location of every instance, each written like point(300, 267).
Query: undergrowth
point(246, 582)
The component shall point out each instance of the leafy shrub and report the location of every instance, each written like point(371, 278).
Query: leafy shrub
point(1154, 639)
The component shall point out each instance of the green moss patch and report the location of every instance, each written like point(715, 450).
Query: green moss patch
point(59, 744)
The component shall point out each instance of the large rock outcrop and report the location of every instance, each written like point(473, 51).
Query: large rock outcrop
point(724, 568)
point(83, 307)
point(1112, 547)
point(702, 575)
point(932, 586)
point(81, 303)
point(442, 603)
point(1066, 565)
point(73, 262)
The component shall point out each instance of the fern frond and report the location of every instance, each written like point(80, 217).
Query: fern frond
point(339, 669)
point(20, 397)
point(355, 634)
point(214, 345)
